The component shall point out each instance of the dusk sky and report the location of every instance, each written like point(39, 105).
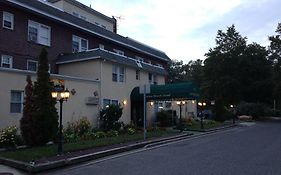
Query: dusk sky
point(185, 29)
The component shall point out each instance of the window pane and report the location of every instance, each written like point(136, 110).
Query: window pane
point(75, 46)
point(114, 77)
point(16, 102)
point(15, 107)
point(106, 102)
point(32, 33)
point(114, 102)
point(32, 66)
point(84, 45)
point(44, 35)
point(121, 78)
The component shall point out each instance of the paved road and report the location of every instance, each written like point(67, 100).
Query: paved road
point(249, 150)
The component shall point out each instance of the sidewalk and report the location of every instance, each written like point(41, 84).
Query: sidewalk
point(90, 154)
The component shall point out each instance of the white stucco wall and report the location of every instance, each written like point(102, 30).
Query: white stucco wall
point(74, 109)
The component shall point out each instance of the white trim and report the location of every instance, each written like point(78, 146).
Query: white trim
point(78, 60)
point(25, 72)
point(90, 31)
point(17, 102)
point(12, 20)
point(86, 59)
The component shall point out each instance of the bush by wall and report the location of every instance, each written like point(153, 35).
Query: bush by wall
point(165, 118)
point(8, 137)
point(109, 117)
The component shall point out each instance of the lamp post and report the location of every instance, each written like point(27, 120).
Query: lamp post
point(60, 96)
point(201, 105)
point(180, 103)
point(233, 113)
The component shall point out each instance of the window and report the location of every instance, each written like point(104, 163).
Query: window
point(32, 65)
point(39, 33)
point(75, 14)
point(137, 75)
point(79, 44)
point(119, 52)
point(114, 73)
point(106, 102)
point(152, 79)
point(7, 61)
point(114, 102)
point(8, 20)
point(83, 17)
point(118, 73)
point(16, 101)
point(140, 59)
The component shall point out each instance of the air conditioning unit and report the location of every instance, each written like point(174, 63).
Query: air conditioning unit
point(92, 101)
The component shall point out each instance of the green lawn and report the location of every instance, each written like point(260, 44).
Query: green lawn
point(35, 153)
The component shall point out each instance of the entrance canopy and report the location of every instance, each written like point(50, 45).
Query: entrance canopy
point(168, 92)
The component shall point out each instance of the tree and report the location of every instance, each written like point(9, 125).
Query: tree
point(174, 70)
point(235, 71)
point(275, 57)
point(221, 78)
point(45, 119)
point(26, 122)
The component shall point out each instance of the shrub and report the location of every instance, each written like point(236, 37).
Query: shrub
point(112, 133)
point(80, 129)
point(131, 131)
point(8, 137)
point(256, 110)
point(165, 118)
point(109, 117)
point(100, 134)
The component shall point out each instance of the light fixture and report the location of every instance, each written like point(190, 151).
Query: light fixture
point(124, 102)
point(151, 103)
point(193, 101)
point(60, 96)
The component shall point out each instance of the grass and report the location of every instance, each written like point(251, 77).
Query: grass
point(35, 153)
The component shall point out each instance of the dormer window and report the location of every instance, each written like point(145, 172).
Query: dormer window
point(140, 59)
point(79, 44)
point(119, 52)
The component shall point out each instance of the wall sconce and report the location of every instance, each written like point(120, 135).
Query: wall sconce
point(193, 101)
point(151, 103)
point(73, 91)
point(124, 102)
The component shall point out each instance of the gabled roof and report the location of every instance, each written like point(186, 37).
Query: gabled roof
point(110, 56)
point(86, 8)
point(55, 14)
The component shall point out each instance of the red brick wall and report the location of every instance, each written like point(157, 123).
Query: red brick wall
point(15, 42)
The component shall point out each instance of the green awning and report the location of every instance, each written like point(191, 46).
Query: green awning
point(168, 92)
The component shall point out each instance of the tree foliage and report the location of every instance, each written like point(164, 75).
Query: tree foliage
point(45, 118)
point(235, 71)
point(275, 57)
point(26, 122)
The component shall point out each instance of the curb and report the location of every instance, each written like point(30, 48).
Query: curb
point(36, 168)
